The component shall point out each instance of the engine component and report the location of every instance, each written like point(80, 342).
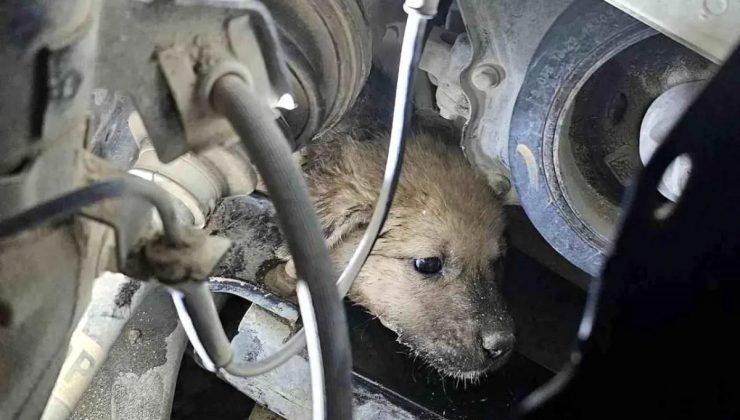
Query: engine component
point(194, 36)
point(503, 36)
point(660, 118)
point(575, 128)
point(198, 180)
point(667, 278)
point(444, 63)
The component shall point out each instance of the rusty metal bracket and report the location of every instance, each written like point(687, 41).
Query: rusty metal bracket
point(166, 67)
point(192, 261)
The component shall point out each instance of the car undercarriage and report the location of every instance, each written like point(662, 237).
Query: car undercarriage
point(147, 191)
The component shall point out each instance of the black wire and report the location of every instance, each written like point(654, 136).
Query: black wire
point(69, 204)
point(268, 149)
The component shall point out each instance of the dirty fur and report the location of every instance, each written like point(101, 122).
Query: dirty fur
point(442, 208)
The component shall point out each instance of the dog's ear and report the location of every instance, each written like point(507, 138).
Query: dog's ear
point(336, 229)
point(343, 193)
point(340, 225)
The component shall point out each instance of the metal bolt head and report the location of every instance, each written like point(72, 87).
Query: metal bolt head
point(500, 184)
point(486, 76)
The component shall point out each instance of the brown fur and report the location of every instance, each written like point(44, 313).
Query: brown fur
point(442, 208)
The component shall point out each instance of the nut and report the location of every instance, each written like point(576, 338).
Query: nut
point(500, 184)
point(487, 76)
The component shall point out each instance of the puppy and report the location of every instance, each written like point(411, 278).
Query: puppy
point(433, 274)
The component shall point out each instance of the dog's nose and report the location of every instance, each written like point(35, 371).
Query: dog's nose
point(498, 344)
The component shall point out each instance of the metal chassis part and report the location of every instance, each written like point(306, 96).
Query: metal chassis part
point(47, 83)
point(671, 275)
point(709, 27)
point(164, 65)
point(285, 389)
point(137, 380)
point(503, 36)
point(136, 372)
point(169, 91)
point(114, 298)
point(47, 52)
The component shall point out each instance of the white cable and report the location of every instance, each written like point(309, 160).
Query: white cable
point(178, 298)
point(415, 25)
point(315, 361)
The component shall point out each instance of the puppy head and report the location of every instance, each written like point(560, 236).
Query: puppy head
point(433, 273)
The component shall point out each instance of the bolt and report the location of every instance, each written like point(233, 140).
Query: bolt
point(487, 76)
point(500, 184)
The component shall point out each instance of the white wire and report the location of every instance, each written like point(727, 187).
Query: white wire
point(414, 28)
point(315, 361)
point(178, 298)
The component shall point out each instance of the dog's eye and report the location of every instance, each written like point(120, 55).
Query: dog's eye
point(430, 265)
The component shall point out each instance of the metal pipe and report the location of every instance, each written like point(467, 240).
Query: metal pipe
point(71, 203)
point(102, 322)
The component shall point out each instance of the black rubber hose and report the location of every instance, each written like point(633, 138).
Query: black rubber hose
point(71, 203)
point(268, 149)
